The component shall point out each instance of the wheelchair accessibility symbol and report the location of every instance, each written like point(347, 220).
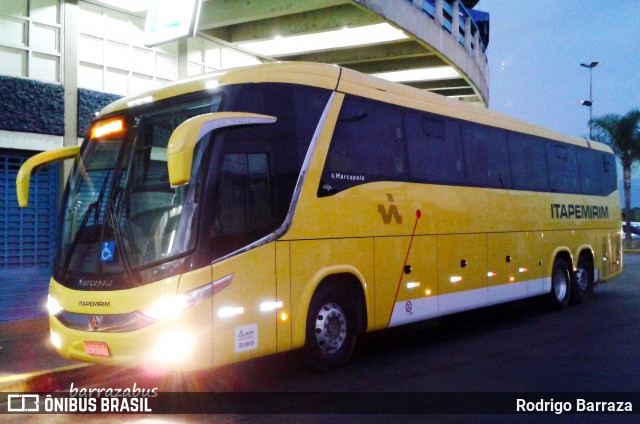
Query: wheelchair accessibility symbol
point(108, 248)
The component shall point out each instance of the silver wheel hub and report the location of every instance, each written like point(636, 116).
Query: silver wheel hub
point(582, 279)
point(560, 284)
point(331, 328)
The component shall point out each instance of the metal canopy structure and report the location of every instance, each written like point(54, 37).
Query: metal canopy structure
point(438, 40)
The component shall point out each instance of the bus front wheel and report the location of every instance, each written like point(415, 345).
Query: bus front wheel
point(331, 329)
point(560, 285)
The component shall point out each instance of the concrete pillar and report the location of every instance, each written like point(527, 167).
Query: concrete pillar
point(467, 34)
point(69, 78)
point(478, 48)
point(455, 20)
point(183, 59)
point(439, 13)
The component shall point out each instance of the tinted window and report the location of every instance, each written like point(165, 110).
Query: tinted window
point(528, 162)
point(374, 141)
point(563, 168)
point(367, 146)
point(244, 192)
point(253, 170)
point(610, 178)
point(434, 149)
point(597, 172)
point(486, 156)
point(591, 169)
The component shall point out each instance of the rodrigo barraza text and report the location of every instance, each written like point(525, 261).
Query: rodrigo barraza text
point(579, 405)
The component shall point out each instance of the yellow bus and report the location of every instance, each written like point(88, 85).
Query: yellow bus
point(296, 205)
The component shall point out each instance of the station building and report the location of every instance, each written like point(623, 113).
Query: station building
point(61, 61)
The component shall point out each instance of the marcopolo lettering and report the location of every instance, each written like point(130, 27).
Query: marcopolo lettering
point(562, 211)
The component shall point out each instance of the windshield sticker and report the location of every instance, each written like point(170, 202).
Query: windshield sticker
point(108, 248)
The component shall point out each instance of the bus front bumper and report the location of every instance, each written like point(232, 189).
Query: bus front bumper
point(183, 342)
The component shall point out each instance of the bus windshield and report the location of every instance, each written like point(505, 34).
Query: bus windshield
point(120, 212)
point(123, 225)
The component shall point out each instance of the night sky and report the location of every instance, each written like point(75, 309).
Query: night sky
point(535, 51)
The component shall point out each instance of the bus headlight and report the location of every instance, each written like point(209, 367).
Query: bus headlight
point(167, 307)
point(171, 306)
point(53, 306)
point(55, 340)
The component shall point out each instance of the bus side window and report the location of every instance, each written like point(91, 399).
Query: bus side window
point(563, 168)
point(609, 174)
point(433, 149)
point(486, 156)
point(606, 164)
point(591, 170)
point(367, 146)
point(597, 172)
point(244, 197)
point(528, 160)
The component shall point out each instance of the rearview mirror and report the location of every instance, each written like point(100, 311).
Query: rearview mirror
point(184, 138)
point(24, 174)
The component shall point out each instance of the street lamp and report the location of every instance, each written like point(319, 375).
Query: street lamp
point(589, 103)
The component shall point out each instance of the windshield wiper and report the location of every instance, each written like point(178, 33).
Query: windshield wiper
point(101, 196)
point(76, 240)
point(111, 213)
point(80, 232)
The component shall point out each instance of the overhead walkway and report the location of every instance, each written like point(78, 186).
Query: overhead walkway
point(430, 44)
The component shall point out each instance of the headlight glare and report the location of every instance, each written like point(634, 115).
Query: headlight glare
point(53, 306)
point(167, 307)
point(171, 306)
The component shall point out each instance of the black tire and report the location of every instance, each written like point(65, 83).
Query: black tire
point(560, 285)
point(331, 329)
point(582, 281)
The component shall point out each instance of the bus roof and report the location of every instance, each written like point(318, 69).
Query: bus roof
point(333, 77)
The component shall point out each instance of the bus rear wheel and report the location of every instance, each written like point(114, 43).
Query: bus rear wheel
point(331, 329)
point(560, 285)
point(582, 281)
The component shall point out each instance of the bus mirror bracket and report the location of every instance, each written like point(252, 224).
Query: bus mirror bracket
point(24, 174)
point(184, 138)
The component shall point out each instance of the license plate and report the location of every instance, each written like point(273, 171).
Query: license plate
point(96, 349)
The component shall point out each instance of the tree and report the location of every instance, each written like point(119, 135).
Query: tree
point(622, 134)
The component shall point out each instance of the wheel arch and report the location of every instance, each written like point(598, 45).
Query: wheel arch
point(586, 249)
point(350, 279)
point(560, 252)
point(561, 280)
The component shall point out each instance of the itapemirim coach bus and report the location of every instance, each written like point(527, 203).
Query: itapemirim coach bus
point(296, 205)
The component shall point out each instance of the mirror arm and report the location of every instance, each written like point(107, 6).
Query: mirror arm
point(23, 178)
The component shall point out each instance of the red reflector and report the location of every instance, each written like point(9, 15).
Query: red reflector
point(96, 349)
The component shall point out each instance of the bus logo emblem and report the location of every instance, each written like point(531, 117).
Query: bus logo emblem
point(93, 323)
point(392, 212)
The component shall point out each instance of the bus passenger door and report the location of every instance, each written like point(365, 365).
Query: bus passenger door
point(240, 189)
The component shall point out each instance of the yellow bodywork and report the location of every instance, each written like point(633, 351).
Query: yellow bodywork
point(416, 250)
